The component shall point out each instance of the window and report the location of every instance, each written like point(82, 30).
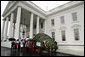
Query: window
point(34, 34)
point(52, 22)
point(42, 25)
point(53, 35)
point(74, 16)
point(62, 19)
point(63, 35)
point(34, 26)
point(76, 34)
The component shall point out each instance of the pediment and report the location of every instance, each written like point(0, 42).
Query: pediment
point(9, 5)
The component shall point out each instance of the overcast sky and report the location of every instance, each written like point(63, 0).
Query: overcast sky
point(48, 5)
point(45, 5)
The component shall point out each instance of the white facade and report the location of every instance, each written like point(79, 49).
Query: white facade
point(69, 25)
point(33, 15)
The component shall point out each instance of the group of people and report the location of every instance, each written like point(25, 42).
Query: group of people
point(30, 46)
point(50, 51)
point(16, 44)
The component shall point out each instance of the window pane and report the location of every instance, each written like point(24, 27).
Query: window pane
point(52, 22)
point(53, 35)
point(42, 25)
point(76, 34)
point(34, 26)
point(74, 16)
point(63, 35)
point(62, 19)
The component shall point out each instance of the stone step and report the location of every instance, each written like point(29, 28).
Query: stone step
point(70, 51)
point(6, 44)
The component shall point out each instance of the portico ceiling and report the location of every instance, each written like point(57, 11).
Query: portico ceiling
point(25, 17)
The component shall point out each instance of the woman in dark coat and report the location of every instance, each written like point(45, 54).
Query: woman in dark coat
point(19, 45)
point(12, 44)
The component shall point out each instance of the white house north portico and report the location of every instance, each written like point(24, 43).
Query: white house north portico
point(17, 17)
point(65, 24)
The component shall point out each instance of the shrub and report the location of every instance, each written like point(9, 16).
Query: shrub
point(48, 40)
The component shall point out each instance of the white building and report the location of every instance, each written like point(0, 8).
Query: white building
point(65, 23)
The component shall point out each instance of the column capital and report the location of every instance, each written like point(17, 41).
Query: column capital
point(32, 13)
point(38, 16)
point(3, 19)
point(11, 13)
point(7, 17)
point(19, 6)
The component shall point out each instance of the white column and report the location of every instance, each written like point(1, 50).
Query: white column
point(45, 27)
point(11, 26)
point(25, 31)
point(13, 29)
point(31, 26)
point(21, 31)
point(37, 25)
point(17, 25)
point(2, 30)
point(6, 28)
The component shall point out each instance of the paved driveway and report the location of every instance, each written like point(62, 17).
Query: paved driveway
point(9, 52)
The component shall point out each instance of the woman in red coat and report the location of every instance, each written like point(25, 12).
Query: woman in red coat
point(41, 45)
point(15, 44)
point(46, 49)
point(33, 45)
point(30, 47)
point(38, 50)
